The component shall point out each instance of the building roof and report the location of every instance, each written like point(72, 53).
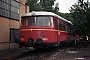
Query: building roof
point(34, 13)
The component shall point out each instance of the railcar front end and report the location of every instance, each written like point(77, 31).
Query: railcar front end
point(37, 31)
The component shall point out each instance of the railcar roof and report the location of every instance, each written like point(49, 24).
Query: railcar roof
point(44, 13)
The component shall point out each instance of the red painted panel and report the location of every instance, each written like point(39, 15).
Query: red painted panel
point(35, 33)
point(63, 36)
point(51, 34)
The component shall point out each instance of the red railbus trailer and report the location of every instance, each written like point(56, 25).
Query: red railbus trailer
point(43, 29)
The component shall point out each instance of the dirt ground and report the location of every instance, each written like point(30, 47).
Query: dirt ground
point(56, 54)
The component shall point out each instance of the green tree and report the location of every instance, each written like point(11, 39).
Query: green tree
point(88, 20)
point(78, 12)
point(47, 5)
point(56, 9)
point(34, 5)
point(41, 5)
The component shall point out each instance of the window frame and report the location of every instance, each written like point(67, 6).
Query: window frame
point(6, 6)
point(60, 24)
point(50, 18)
point(43, 21)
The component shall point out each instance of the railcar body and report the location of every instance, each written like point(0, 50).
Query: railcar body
point(43, 29)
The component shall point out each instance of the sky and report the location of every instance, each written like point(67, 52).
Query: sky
point(64, 5)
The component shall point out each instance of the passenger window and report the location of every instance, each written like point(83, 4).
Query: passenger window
point(60, 25)
point(63, 27)
point(32, 21)
point(43, 21)
point(66, 27)
point(24, 22)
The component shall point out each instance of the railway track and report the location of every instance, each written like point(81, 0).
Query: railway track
point(32, 55)
point(46, 54)
point(36, 54)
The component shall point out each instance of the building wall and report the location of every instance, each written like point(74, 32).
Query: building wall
point(5, 25)
point(4, 29)
point(14, 24)
point(4, 32)
point(27, 9)
point(8, 24)
point(23, 8)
